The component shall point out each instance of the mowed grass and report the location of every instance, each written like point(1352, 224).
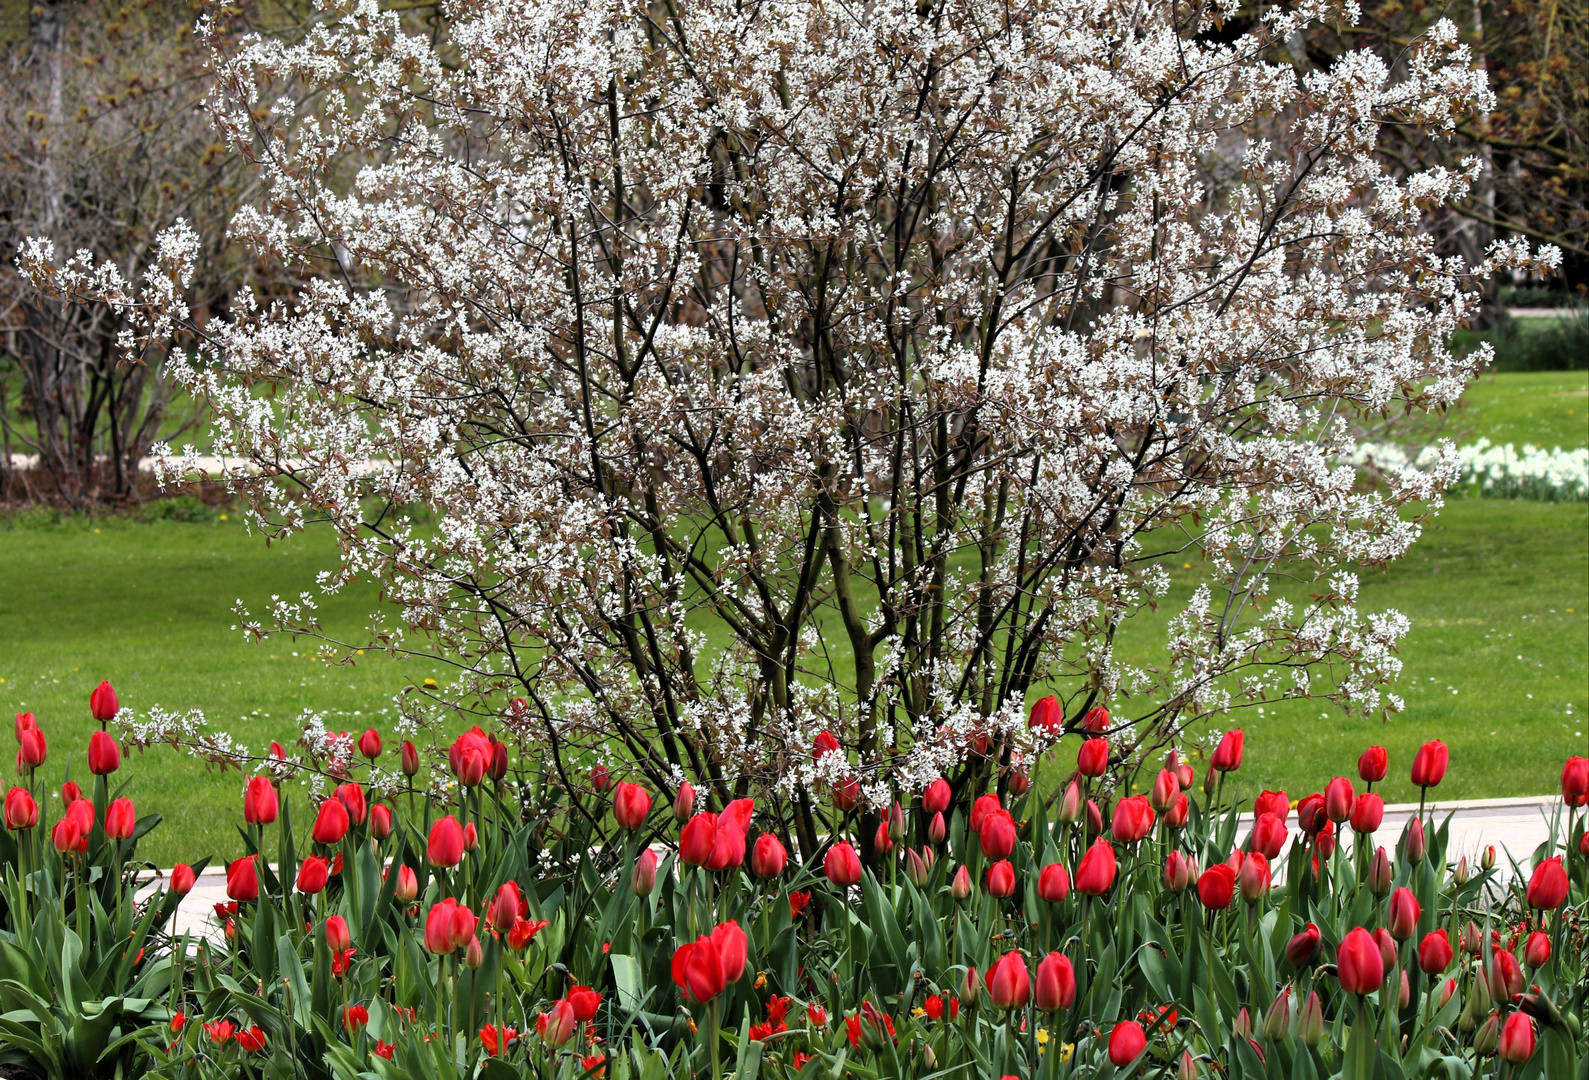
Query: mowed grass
point(1497, 663)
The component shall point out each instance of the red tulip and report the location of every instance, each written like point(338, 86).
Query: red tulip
point(842, 865)
point(337, 935)
point(260, 801)
point(1009, 983)
point(1175, 817)
point(461, 926)
point(251, 1039)
point(984, 805)
point(1179, 872)
point(1338, 799)
point(352, 797)
point(1227, 755)
point(331, 824)
point(355, 1018)
point(557, 1026)
point(21, 811)
point(585, 1002)
point(1070, 804)
point(498, 767)
point(408, 758)
point(936, 829)
point(1095, 875)
point(83, 811)
point(1536, 950)
point(70, 793)
point(960, 886)
point(1517, 1038)
point(31, 749)
point(1056, 983)
point(1132, 819)
point(1404, 912)
point(438, 927)
point(313, 875)
point(1217, 887)
point(630, 805)
point(102, 703)
point(733, 825)
point(824, 744)
point(1020, 783)
point(1001, 879)
point(1324, 842)
point(698, 838)
point(705, 967)
point(1505, 976)
point(1311, 817)
point(120, 819)
point(1303, 948)
point(25, 722)
point(380, 821)
point(1253, 877)
point(935, 798)
point(1046, 714)
point(1368, 812)
point(769, 857)
point(1371, 766)
point(471, 836)
point(882, 843)
point(407, 887)
point(506, 907)
point(66, 835)
point(1096, 720)
point(104, 755)
point(1053, 883)
point(1359, 964)
point(1429, 766)
point(242, 879)
point(1093, 757)
point(1272, 802)
point(1268, 836)
point(182, 879)
point(1387, 947)
point(644, 879)
point(997, 835)
point(1547, 889)
point(1435, 953)
point(1575, 781)
point(445, 846)
point(1126, 1043)
point(370, 744)
point(684, 802)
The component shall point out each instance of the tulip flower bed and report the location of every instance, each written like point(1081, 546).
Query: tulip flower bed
point(547, 926)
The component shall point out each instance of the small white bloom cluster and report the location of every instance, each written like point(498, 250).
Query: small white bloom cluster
point(1503, 472)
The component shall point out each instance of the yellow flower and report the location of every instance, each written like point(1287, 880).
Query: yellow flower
point(918, 1013)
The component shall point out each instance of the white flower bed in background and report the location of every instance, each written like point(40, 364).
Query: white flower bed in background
point(1553, 475)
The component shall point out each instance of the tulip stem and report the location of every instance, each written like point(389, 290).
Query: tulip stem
point(711, 1035)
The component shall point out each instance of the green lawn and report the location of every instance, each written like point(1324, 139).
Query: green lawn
point(1497, 664)
point(1546, 408)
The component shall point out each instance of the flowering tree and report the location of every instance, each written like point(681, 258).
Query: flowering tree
point(782, 368)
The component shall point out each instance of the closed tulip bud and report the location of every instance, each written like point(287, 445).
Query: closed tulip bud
point(644, 879)
point(1505, 977)
point(445, 845)
point(1227, 755)
point(1413, 846)
point(1254, 877)
point(1359, 964)
point(407, 887)
point(1020, 783)
point(1429, 765)
point(1379, 873)
point(1303, 948)
point(630, 805)
point(370, 744)
point(380, 821)
point(1095, 875)
point(1479, 1003)
point(1575, 781)
point(1070, 804)
point(1175, 817)
point(1009, 982)
point(896, 822)
point(102, 703)
point(1488, 1035)
point(1093, 757)
point(1324, 843)
point(1517, 1038)
point(182, 879)
point(984, 805)
point(104, 753)
point(997, 835)
point(473, 954)
point(1435, 953)
point(882, 843)
point(1166, 790)
point(842, 865)
point(1001, 879)
point(1310, 1021)
point(1368, 812)
point(1277, 1021)
point(1403, 914)
point(928, 858)
point(1269, 836)
point(970, 987)
point(260, 802)
point(1447, 992)
point(331, 823)
point(1371, 766)
point(337, 935)
point(1179, 871)
point(1094, 819)
point(1132, 819)
point(684, 802)
point(1387, 947)
point(408, 758)
point(559, 1025)
point(120, 819)
point(1242, 1025)
point(352, 797)
point(936, 830)
point(935, 797)
point(769, 857)
point(1487, 858)
point(1216, 888)
point(1460, 873)
point(242, 879)
point(313, 873)
point(960, 887)
point(1053, 883)
point(472, 762)
point(66, 835)
point(1338, 799)
point(1047, 715)
point(1056, 983)
point(31, 750)
point(1406, 990)
point(506, 907)
point(915, 869)
point(1548, 887)
point(1187, 1069)
point(70, 793)
point(1536, 951)
point(471, 837)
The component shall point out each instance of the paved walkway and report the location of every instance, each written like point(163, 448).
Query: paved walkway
point(1514, 826)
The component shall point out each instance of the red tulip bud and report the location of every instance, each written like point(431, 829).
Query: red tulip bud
point(182, 879)
point(1056, 983)
point(1070, 805)
point(936, 830)
point(1001, 879)
point(120, 819)
point(644, 879)
point(1302, 949)
point(1359, 964)
point(1379, 873)
point(1371, 766)
point(408, 756)
point(380, 821)
point(961, 886)
point(1166, 790)
point(1179, 872)
point(1053, 883)
point(684, 802)
point(1536, 951)
point(915, 868)
point(102, 703)
point(1413, 845)
point(1338, 799)
point(896, 822)
point(1404, 913)
point(370, 744)
point(1429, 765)
point(104, 755)
point(1517, 1038)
